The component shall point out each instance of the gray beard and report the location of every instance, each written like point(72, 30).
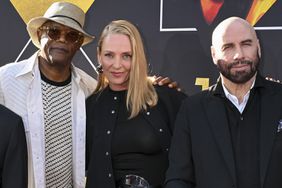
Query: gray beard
point(239, 77)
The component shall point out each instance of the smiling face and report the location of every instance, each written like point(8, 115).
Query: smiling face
point(115, 56)
point(60, 50)
point(235, 50)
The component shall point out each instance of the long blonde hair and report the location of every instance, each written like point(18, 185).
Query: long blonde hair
point(141, 92)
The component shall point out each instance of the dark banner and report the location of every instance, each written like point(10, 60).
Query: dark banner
point(177, 33)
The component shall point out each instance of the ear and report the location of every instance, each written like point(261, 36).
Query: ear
point(99, 67)
point(98, 55)
point(81, 41)
point(39, 34)
point(259, 49)
point(213, 54)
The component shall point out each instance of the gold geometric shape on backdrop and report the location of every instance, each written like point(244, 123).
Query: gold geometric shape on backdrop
point(258, 9)
point(203, 82)
point(28, 9)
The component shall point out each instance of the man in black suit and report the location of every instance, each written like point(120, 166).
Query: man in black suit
point(13, 150)
point(231, 134)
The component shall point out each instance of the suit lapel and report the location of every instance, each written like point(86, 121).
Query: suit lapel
point(217, 120)
point(270, 115)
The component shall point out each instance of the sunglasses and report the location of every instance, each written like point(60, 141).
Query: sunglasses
point(55, 33)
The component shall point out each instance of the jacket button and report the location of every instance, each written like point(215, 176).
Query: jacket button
point(115, 98)
point(108, 132)
point(148, 113)
point(110, 175)
point(107, 153)
point(113, 111)
point(161, 130)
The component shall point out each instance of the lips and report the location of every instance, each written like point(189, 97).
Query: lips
point(59, 50)
point(240, 67)
point(117, 74)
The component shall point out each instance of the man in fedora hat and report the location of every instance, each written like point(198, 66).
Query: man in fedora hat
point(49, 93)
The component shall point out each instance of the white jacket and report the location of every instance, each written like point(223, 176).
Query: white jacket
point(20, 91)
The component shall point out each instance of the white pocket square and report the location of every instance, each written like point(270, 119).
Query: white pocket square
point(279, 128)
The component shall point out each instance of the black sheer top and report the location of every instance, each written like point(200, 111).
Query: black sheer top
point(136, 148)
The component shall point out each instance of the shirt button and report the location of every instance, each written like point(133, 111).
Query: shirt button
point(113, 112)
point(148, 113)
point(241, 118)
point(107, 153)
point(166, 149)
point(110, 175)
point(108, 132)
point(115, 98)
point(161, 130)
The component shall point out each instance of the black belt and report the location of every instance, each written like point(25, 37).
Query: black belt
point(134, 181)
point(129, 186)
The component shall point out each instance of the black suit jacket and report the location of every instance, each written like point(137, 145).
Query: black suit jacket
point(201, 153)
point(13, 150)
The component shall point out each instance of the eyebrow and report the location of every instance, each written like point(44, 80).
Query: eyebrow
point(226, 45)
point(247, 41)
point(111, 51)
point(242, 42)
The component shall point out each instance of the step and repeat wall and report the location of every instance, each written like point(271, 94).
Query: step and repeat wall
point(176, 33)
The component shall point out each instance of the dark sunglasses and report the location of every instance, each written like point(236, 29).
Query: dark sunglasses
point(55, 33)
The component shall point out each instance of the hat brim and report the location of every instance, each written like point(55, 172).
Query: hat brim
point(37, 22)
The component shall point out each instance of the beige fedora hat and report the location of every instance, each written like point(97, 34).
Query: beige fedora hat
point(64, 13)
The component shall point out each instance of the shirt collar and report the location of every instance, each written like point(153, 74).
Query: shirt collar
point(29, 67)
point(228, 94)
point(33, 61)
point(219, 91)
point(232, 98)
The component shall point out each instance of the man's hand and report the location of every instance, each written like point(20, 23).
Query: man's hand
point(162, 81)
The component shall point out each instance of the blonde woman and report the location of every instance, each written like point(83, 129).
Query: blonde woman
point(129, 121)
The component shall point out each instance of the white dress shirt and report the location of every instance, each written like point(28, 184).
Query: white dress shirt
point(240, 106)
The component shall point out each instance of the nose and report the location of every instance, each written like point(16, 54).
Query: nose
point(239, 54)
point(117, 63)
point(62, 37)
